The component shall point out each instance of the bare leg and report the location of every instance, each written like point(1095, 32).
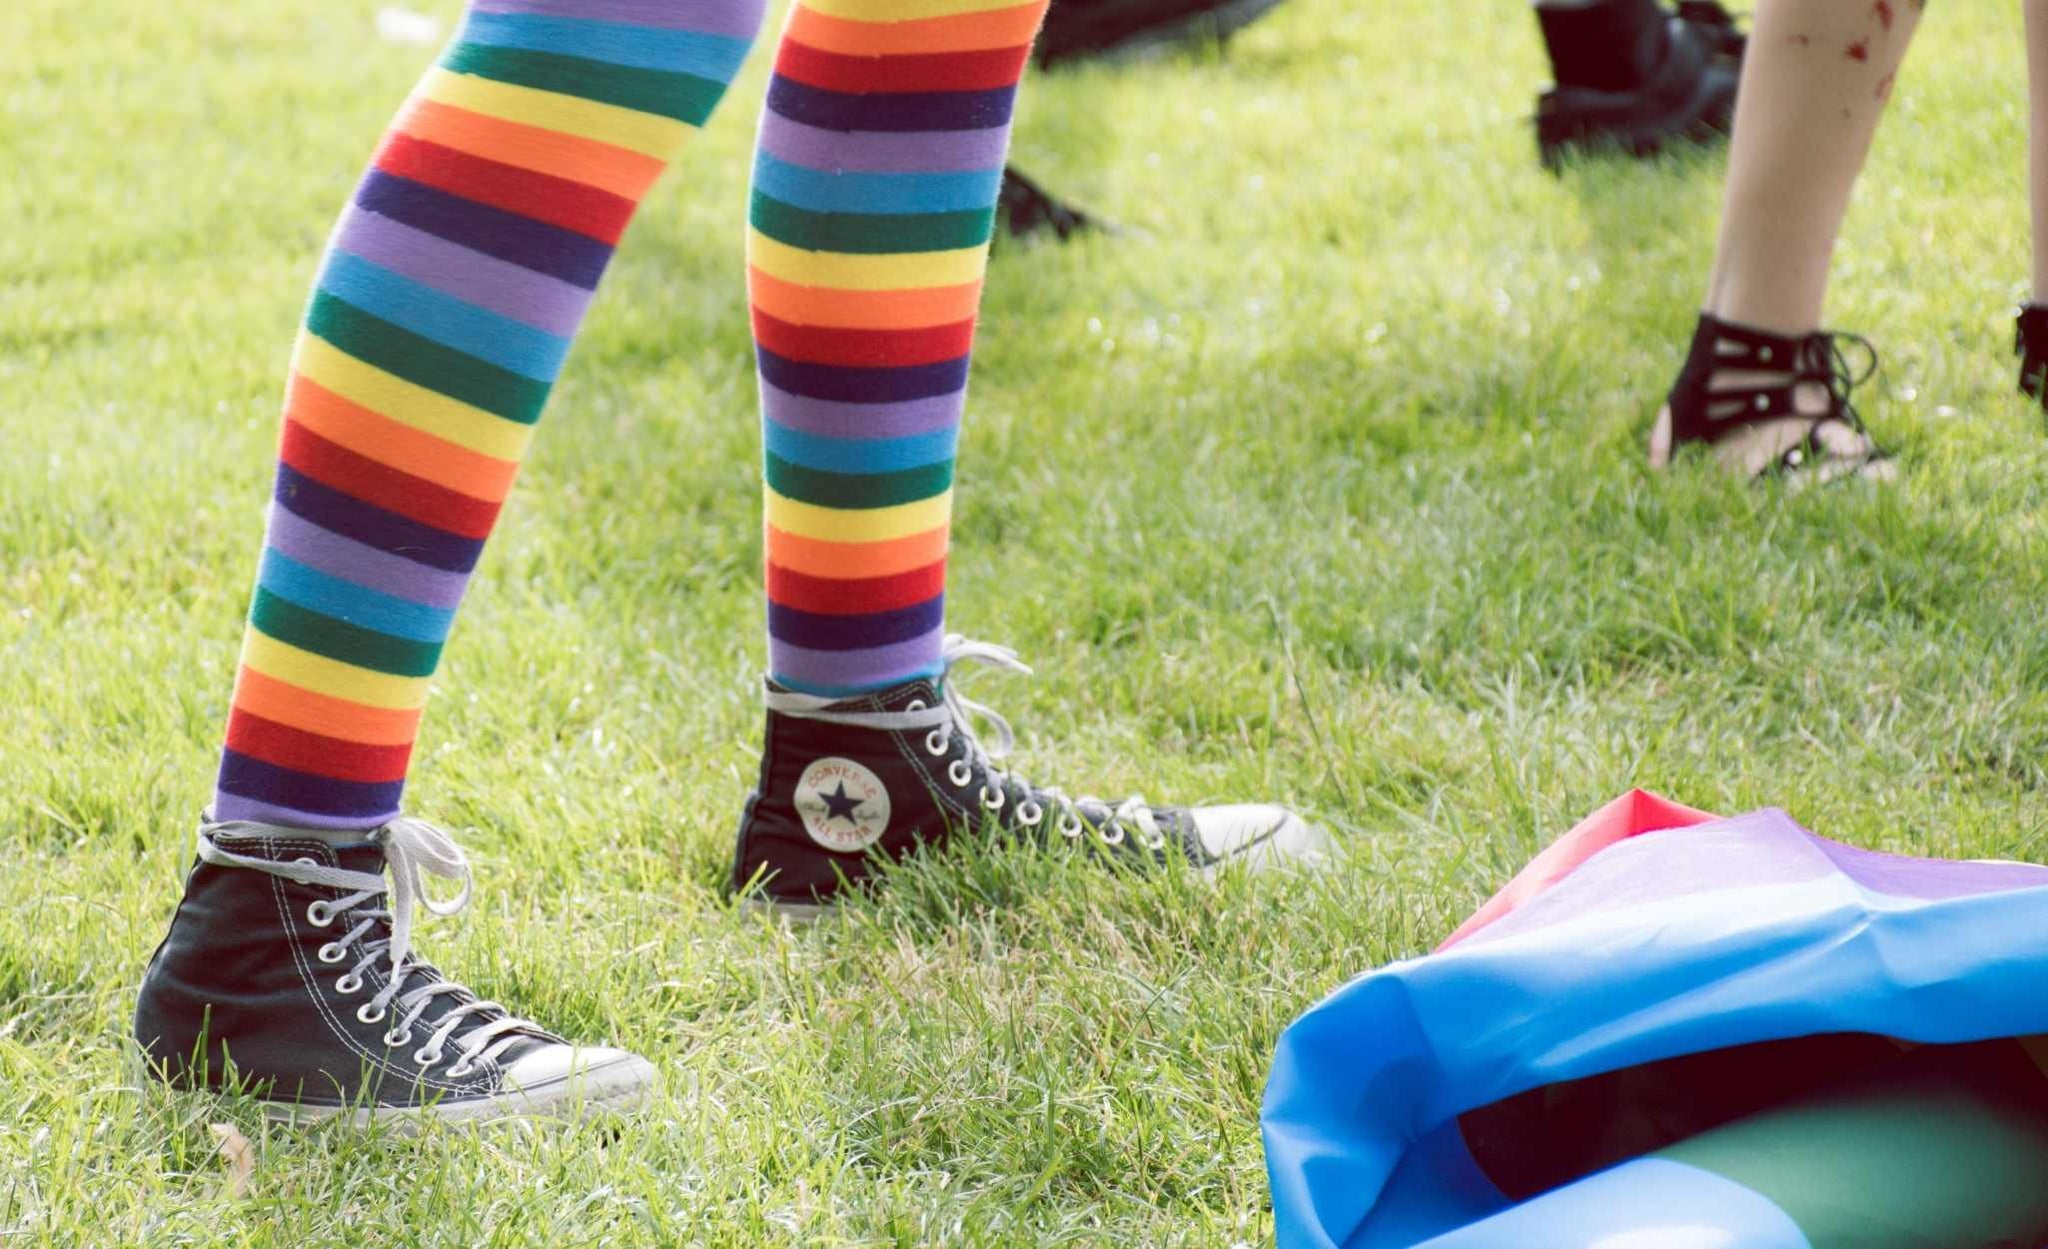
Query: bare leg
point(1815, 82)
point(2037, 137)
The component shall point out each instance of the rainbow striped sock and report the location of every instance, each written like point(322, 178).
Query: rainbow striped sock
point(453, 286)
point(875, 180)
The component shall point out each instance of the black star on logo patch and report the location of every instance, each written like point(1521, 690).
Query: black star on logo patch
point(840, 805)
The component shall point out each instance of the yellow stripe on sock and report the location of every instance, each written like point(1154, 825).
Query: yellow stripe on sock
point(864, 273)
point(647, 133)
point(388, 395)
point(878, 524)
point(283, 662)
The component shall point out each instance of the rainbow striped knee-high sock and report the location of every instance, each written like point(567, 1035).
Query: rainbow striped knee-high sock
point(875, 180)
point(454, 284)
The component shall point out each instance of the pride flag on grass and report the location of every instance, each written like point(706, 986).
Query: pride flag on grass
point(1672, 1031)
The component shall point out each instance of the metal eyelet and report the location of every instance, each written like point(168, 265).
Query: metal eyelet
point(1070, 825)
point(348, 984)
point(319, 914)
point(1764, 354)
point(1000, 796)
point(461, 1068)
point(392, 1040)
point(330, 953)
point(1762, 402)
point(936, 743)
point(424, 1058)
point(308, 860)
point(365, 1015)
point(915, 704)
point(1029, 813)
point(1117, 840)
point(959, 773)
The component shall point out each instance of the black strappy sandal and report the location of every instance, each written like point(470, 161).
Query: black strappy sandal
point(1697, 411)
point(2030, 344)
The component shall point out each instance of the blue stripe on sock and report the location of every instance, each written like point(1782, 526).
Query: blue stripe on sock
point(860, 455)
point(302, 791)
point(933, 671)
point(816, 631)
point(822, 191)
point(340, 513)
point(617, 43)
point(351, 603)
point(443, 318)
point(536, 245)
point(907, 112)
point(849, 384)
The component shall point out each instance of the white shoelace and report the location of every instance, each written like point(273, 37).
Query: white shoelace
point(413, 850)
point(954, 717)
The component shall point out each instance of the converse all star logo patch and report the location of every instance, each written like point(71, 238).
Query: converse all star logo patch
point(844, 806)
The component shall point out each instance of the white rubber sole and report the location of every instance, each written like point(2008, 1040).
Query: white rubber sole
point(1254, 855)
point(616, 1088)
point(568, 1101)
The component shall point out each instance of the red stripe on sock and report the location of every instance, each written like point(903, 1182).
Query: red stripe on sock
point(542, 197)
point(331, 757)
point(826, 344)
point(981, 70)
point(332, 464)
point(855, 596)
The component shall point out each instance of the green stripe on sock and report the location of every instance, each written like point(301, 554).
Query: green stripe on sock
point(685, 97)
point(425, 362)
point(858, 490)
point(866, 234)
point(294, 625)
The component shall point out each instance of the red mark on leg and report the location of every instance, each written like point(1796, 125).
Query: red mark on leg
point(1858, 51)
point(1801, 41)
point(1884, 85)
point(1883, 12)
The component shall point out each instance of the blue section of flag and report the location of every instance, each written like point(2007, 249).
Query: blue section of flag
point(1666, 944)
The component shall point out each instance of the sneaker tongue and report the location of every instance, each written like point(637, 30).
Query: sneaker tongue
point(360, 857)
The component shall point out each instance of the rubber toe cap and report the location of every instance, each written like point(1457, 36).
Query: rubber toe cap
point(1259, 836)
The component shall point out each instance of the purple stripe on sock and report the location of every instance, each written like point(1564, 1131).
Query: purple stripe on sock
point(536, 299)
point(841, 672)
point(737, 21)
point(834, 419)
point(876, 151)
point(308, 543)
point(228, 806)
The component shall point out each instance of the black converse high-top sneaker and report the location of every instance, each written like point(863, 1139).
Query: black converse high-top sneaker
point(881, 774)
point(290, 960)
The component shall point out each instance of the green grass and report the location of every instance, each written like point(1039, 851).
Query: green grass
point(1324, 484)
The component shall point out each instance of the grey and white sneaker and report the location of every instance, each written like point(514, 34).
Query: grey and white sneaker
point(289, 964)
point(845, 782)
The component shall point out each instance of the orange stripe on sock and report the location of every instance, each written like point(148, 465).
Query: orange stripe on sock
point(960, 32)
point(399, 445)
point(913, 309)
point(286, 704)
point(856, 560)
point(613, 169)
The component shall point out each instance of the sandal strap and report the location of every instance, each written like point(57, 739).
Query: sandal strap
point(1703, 412)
